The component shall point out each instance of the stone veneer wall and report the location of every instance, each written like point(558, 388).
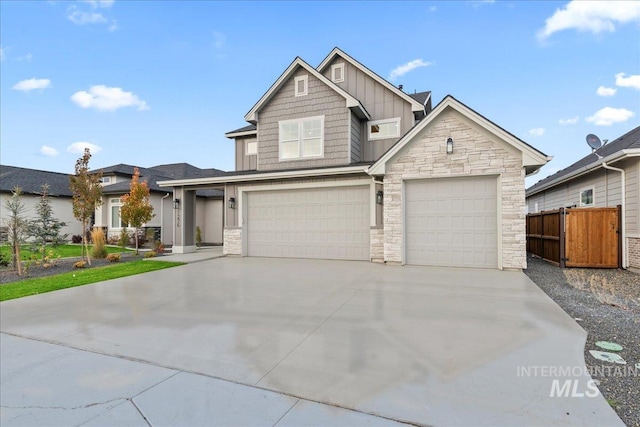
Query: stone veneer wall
point(232, 244)
point(633, 248)
point(476, 152)
point(377, 244)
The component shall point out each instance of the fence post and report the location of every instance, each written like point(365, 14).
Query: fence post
point(542, 235)
point(561, 233)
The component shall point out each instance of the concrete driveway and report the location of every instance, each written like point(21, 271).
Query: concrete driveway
point(427, 346)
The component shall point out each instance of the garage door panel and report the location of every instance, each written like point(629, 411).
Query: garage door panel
point(451, 222)
point(329, 223)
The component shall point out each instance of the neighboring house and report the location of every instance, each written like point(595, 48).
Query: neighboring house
point(338, 163)
point(116, 181)
point(596, 181)
point(31, 181)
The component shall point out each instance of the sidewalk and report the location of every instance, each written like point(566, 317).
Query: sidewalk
point(202, 254)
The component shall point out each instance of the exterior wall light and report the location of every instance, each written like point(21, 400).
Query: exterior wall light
point(232, 203)
point(176, 204)
point(379, 197)
point(449, 145)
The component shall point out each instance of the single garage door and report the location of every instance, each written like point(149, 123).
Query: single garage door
point(452, 222)
point(327, 223)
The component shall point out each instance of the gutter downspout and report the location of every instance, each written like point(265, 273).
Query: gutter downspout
point(623, 189)
point(162, 217)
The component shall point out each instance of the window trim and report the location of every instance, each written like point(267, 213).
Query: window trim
point(593, 196)
point(105, 180)
point(397, 120)
point(335, 67)
point(301, 155)
point(115, 203)
point(305, 79)
point(246, 148)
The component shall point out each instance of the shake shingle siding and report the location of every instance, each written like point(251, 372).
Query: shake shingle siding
point(320, 101)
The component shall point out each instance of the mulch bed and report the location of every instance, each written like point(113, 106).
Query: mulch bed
point(9, 275)
point(606, 303)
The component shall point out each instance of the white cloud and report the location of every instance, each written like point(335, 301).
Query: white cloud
point(571, 121)
point(536, 132)
point(631, 81)
point(593, 16)
point(99, 3)
point(32, 84)
point(606, 91)
point(608, 116)
point(45, 150)
point(83, 18)
point(78, 147)
point(403, 69)
point(105, 98)
point(219, 40)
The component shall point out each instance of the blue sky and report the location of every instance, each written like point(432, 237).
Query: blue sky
point(148, 83)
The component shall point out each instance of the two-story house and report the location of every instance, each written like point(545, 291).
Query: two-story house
point(338, 163)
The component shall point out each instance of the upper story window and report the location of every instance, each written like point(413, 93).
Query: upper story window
point(251, 148)
point(384, 129)
point(301, 85)
point(301, 138)
point(337, 73)
point(105, 180)
point(586, 197)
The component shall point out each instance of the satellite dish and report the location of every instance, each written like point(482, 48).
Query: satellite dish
point(593, 141)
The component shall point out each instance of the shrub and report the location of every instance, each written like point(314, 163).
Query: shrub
point(159, 247)
point(124, 238)
point(113, 240)
point(198, 236)
point(113, 257)
point(76, 238)
point(150, 235)
point(150, 254)
point(98, 250)
point(80, 264)
point(5, 259)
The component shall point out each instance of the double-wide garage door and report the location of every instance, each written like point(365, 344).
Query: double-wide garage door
point(452, 222)
point(327, 223)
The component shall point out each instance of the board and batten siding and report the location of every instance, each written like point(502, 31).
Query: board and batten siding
point(321, 100)
point(606, 193)
point(244, 162)
point(356, 139)
point(380, 103)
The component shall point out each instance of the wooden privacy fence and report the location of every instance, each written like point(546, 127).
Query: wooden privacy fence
point(577, 237)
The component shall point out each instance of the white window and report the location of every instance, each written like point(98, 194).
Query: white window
point(586, 197)
point(337, 73)
point(105, 180)
point(115, 205)
point(251, 148)
point(384, 129)
point(301, 85)
point(301, 138)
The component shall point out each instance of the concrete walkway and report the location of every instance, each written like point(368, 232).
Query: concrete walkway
point(203, 254)
point(428, 346)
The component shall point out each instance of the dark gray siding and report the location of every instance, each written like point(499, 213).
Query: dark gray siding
point(356, 139)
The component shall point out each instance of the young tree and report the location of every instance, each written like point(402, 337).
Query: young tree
point(136, 207)
point(16, 225)
point(45, 228)
point(87, 196)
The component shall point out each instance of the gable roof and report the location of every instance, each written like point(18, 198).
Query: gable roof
point(421, 97)
point(31, 181)
point(617, 148)
point(532, 159)
point(351, 102)
point(415, 104)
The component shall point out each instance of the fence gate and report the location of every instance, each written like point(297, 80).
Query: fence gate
point(577, 237)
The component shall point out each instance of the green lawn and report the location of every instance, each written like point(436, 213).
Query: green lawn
point(65, 251)
point(79, 277)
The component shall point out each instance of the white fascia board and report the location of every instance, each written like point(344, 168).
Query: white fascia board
point(237, 134)
point(415, 105)
point(617, 156)
point(351, 102)
point(263, 176)
point(530, 156)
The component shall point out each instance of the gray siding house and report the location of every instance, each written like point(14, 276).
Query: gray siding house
point(338, 163)
point(607, 177)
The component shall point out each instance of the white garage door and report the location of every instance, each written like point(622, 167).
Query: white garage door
point(328, 223)
point(452, 222)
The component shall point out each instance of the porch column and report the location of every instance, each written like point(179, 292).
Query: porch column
point(184, 221)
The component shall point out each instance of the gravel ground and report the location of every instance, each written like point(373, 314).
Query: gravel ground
point(8, 275)
point(606, 303)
